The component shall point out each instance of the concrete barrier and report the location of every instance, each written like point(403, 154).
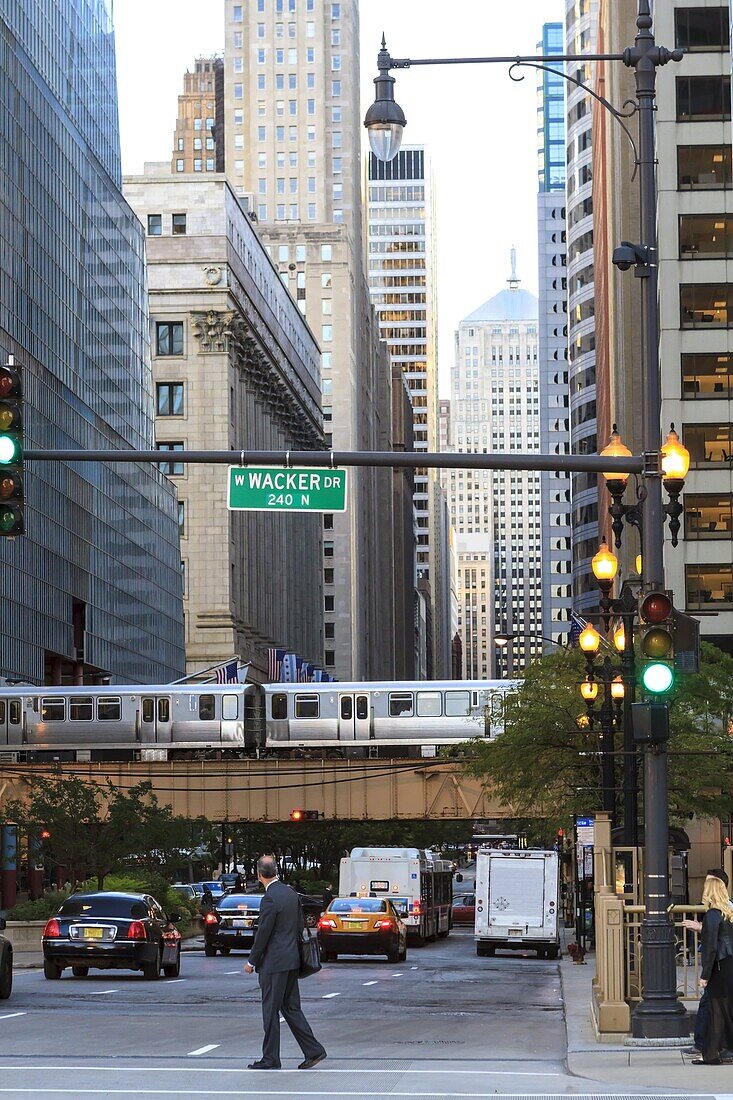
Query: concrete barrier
point(25, 935)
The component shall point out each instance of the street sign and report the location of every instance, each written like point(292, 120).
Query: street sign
point(288, 489)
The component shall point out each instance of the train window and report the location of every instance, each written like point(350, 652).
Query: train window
point(53, 710)
point(306, 706)
point(280, 705)
point(164, 710)
point(347, 708)
point(2, 711)
point(14, 711)
point(207, 709)
point(148, 710)
point(229, 708)
point(400, 703)
point(428, 704)
point(81, 709)
point(457, 702)
point(362, 707)
point(109, 708)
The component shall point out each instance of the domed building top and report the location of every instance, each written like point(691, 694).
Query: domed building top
point(508, 305)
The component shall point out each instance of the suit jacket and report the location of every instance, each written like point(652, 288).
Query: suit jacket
point(276, 944)
point(716, 941)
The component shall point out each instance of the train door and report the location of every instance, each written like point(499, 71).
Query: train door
point(155, 720)
point(14, 721)
point(353, 717)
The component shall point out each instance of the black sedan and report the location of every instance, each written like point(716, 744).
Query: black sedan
point(111, 931)
point(6, 965)
point(232, 923)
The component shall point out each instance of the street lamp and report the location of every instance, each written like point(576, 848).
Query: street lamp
point(609, 717)
point(660, 1013)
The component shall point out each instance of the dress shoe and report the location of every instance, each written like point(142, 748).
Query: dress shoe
point(702, 1062)
point(309, 1063)
point(261, 1065)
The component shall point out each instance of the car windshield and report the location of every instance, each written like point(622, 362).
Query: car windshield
point(358, 905)
point(213, 887)
point(104, 905)
point(236, 901)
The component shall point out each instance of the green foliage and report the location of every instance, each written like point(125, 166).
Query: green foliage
point(545, 765)
point(41, 909)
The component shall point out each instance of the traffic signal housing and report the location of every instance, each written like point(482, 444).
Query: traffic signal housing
point(11, 450)
point(657, 642)
point(304, 815)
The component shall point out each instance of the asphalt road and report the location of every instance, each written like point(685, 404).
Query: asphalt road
point(443, 1024)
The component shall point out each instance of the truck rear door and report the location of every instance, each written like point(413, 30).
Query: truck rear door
point(516, 893)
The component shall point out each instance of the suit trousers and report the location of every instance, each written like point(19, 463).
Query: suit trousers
point(281, 994)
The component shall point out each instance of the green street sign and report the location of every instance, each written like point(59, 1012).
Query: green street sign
point(289, 489)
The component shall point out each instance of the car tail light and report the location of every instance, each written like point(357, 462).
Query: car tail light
point(385, 925)
point(52, 929)
point(211, 918)
point(136, 931)
point(326, 924)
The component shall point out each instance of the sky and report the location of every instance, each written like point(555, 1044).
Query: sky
point(479, 127)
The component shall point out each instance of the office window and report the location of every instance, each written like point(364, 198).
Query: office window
point(705, 236)
point(335, 88)
point(707, 376)
point(326, 252)
point(210, 142)
point(329, 658)
point(293, 160)
point(237, 13)
point(280, 57)
point(294, 211)
point(279, 107)
point(293, 184)
point(292, 133)
point(210, 166)
point(310, 54)
point(326, 333)
point(709, 445)
point(239, 117)
point(708, 516)
point(179, 166)
point(178, 225)
point(262, 212)
point(336, 139)
point(703, 167)
point(311, 107)
point(169, 337)
point(311, 158)
point(181, 518)
point(292, 107)
point(327, 306)
point(261, 130)
point(335, 62)
point(239, 144)
point(702, 29)
point(181, 145)
point(197, 123)
point(291, 30)
point(292, 56)
point(336, 36)
point(336, 165)
point(173, 468)
point(292, 81)
point(311, 211)
point(238, 65)
point(280, 212)
point(310, 30)
point(198, 165)
point(280, 82)
point(197, 143)
point(310, 80)
point(703, 98)
point(336, 114)
point(335, 11)
point(709, 586)
point(261, 52)
point(261, 82)
point(300, 253)
point(238, 94)
point(329, 630)
point(280, 186)
point(155, 225)
point(280, 133)
point(169, 399)
point(704, 305)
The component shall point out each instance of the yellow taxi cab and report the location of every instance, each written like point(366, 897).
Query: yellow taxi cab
point(362, 926)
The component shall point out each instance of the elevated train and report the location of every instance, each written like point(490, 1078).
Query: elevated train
point(185, 721)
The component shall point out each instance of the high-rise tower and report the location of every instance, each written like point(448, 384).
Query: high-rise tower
point(94, 586)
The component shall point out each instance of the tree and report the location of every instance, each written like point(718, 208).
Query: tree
point(546, 765)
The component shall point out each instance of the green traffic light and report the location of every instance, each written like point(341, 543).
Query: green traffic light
point(657, 678)
point(8, 449)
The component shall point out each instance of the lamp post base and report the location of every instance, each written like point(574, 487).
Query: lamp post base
point(660, 1014)
point(663, 1019)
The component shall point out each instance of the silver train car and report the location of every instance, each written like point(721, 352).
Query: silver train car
point(176, 721)
point(363, 719)
point(143, 722)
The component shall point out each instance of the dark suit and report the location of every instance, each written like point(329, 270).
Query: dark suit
point(275, 955)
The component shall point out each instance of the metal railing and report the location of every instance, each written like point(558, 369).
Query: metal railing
point(687, 945)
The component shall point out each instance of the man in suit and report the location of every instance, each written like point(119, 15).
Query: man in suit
point(275, 955)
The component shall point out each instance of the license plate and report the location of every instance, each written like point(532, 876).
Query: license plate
point(241, 923)
point(93, 933)
point(356, 925)
point(515, 931)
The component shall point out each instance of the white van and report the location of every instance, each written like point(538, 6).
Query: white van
point(517, 901)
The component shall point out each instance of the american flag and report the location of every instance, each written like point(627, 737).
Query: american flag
point(576, 629)
point(227, 674)
point(275, 663)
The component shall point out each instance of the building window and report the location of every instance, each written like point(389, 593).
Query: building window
point(237, 13)
point(310, 29)
point(709, 586)
point(328, 603)
point(197, 165)
point(703, 167)
point(328, 576)
point(708, 516)
point(173, 468)
point(707, 376)
point(261, 132)
point(703, 98)
point(701, 29)
point(704, 305)
point(181, 519)
point(169, 337)
point(329, 630)
point(709, 445)
point(336, 88)
point(326, 252)
point(197, 123)
point(155, 225)
point(300, 253)
point(239, 117)
point(311, 211)
point(335, 62)
point(178, 225)
point(179, 166)
point(329, 658)
point(197, 144)
point(169, 399)
point(705, 236)
point(238, 94)
point(326, 332)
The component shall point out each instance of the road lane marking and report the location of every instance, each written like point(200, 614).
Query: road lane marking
point(327, 995)
point(172, 981)
point(99, 992)
point(12, 1015)
point(203, 1050)
point(414, 968)
point(232, 972)
point(370, 983)
point(398, 974)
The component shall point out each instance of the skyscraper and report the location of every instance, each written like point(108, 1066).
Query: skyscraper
point(553, 344)
point(497, 514)
point(95, 583)
point(400, 216)
point(293, 133)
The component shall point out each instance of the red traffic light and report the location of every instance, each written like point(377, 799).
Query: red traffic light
point(296, 815)
point(656, 607)
point(45, 834)
point(304, 815)
point(10, 385)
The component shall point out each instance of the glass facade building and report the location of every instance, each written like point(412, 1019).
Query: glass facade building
point(94, 586)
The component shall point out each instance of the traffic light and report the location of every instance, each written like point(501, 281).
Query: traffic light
point(11, 450)
point(45, 833)
point(304, 815)
point(657, 642)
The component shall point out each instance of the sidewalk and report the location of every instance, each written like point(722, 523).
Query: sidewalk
point(619, 1061)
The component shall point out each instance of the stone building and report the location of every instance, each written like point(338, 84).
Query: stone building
point(198, 141)
point(235, 367)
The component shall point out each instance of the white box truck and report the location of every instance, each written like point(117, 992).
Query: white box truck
point(517, 901)
point(416, 882)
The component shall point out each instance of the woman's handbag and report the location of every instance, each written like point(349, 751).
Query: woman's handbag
point(310, 955)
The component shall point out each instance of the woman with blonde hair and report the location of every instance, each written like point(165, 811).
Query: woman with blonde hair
point(717, 970)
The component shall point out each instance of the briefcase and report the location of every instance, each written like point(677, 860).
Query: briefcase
point(310, 955)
